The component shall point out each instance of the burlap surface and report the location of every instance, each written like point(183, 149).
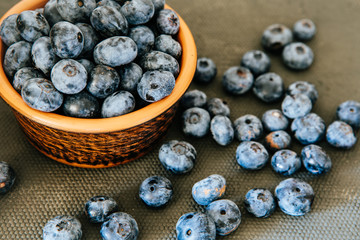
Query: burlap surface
point(223, 31)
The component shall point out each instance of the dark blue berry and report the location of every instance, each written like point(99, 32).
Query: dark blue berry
point(40, 94)
point(260, 202)
point(130, 76)
point(251, 155)
point(43, 55)
point(89, 65)
point(159, 5)
point(23, 75)
point(51, 13)
point(294, 196)
point(315, 159)
point(62, 227)
point(103, 81)
point(206, 70)
point(295, 106)
point(177, 156)
point(196, 122)
point(305, 88)
point(119, 226)
point(9, 33)
point(349, 112)
point(32, 25)
point(274, 120)
point(193, 98)
point(143, 37)
point(75, 10)
point(237, 80)
point(297, 56)
point(285, 162)
point(165, 43)
point(217, 106)
point(91, 39)
point(341, 135)
point(209, 189)
point(16, 57)
point(117, 104)
point(222, 130)
point(109, 3)
point(98, 208)
point(277, 140)
point(275, 37)
point(168, 22)
point(156, 60)
point(308, 129)
point(269, 87)
point(248, 127)
point(81, 105)
point(256, 61)
point(195, 226)
point(156, 191)
point(226, 215)
point(304, 29)
point(7, 177)
point(138, 12)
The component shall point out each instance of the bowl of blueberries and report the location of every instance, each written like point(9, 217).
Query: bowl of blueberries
point(94, 83)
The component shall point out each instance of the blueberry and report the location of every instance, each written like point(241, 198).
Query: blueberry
point(275, 37)
point(81, 105)
point(260, 202)
point(143, 37)
point(109, 3)
point(226, 215)
point(165, 43)
point(341, 135)
point(9, 33)
point(23, 75)
point(156, 60)
point(217, 106)
point(294, 196)
point(98, 208)
point(177, 156)
point(256, 61)
point(32, 25)
point(117, 104)
point(115, 51)
point(103, 81)
point(75, 10)
point(195, 226)
point(277, 140)
point(130, 76)
point(43, 55)
point(88, 65)
point(305, 88)
point(159, 5)
point(248, 127)
point(69, 76)
point(269, 87)
point(298, 56)
point(109, 21)
point(193, 98)
point(67, 40)
point(349, 112)
point(222, 130)
point(274, 120)
point(91, 38)
point(315, 159)
point(119, 226)
point(251, 155)
point(156, 191)
point(16, 57)
point(155, 85)
point(308, 129)
point(209, 189)
point(295, 106)
point(62, 227)
point(40, 94)
point(138, 12)
point(7, 177)
point(40, 10)
point(196, 122)
point(51, 13)
point(304, 30)
point(206, 70)
point(168, 22)
point(237, 80)
point(286, 162)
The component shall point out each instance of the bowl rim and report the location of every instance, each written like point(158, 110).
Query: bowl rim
point(101, 125)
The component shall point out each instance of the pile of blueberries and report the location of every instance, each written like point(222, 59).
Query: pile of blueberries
point(92, 58)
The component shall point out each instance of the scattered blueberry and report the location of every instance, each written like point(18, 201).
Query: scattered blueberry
point(156, 60)
point(119, 226)
point(304, 30)
point(222, 130)
point(294, 196)
point(159, 5)
point(7, 177)
point(251, 155)
point(138, 12)
point(195, 226)
point(109, 3)
point(286, 162)
point(297, 56)
point(193, 98)
point(98, 208)
point(256, 61)
point(260, 202)
point(248, 127)
point(165, 43)
point(206, 70)
point(196, 122)
point(16, 57)
point(62, 227)
point(156, 191)
point(226, 215)
point(9, 33)
point(91, 39)
point(274, 120)
point(103, 81)
point(349, 112)
point(209, 189)
point(341, 135)
point(143, 37)
point(237, 80)
point(217, 106)
point(81, 105)
point(308, 129)
point(23, 75)
point(75, 10)
point(89, 65)
point(278, 140)
point(51, 13)
point(168, 22)
point(275, 37)
point(177, 156)
point(32, 25)
point(315, 159)
point(295, 106)
point(130, 76)
point(305, 88)
point(117, 104)
point(269, 87)
point(43, 55)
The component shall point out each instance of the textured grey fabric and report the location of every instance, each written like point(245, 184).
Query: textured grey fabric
point(224, 31)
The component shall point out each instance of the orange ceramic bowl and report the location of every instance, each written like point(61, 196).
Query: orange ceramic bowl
point(98, 143)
